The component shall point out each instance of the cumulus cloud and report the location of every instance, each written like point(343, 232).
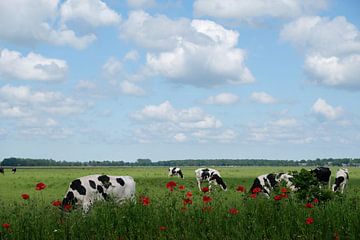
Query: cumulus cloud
point(248, 9)
point(131, 88)
point(94, 12)
point(262, 97)
point(325, 111)
point(197, 52)
point(222, 99)
point(31, 67)
point(331, 48)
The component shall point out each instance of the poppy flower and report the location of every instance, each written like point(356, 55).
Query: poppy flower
point(253, 195)
point(67, 207)
point(56, 203)
point(145, 200)
point(233, 211)
point(205, 189)
point(256, 190)
point(25, 196)
point(207, 199)
point(277, 197)
point(6, 225)
point(40, 186)
point(182, 187)
point(315, 200)
point(162, 228)
point(187, 201)
point(240, 188)
point(309, 205)
point(189, 194)
point(171, 185)
point(284, 190)
point(309, 220)
point(284, 195)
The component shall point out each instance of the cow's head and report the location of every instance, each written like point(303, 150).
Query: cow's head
point(219, 181)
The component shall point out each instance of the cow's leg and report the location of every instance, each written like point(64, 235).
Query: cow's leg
point(199, 184)
point(86, 206)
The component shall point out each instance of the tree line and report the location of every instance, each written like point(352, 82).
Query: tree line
point(14, 161)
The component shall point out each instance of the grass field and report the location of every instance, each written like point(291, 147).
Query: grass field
point(229, 215)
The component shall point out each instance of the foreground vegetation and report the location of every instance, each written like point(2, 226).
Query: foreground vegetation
point(160, 213)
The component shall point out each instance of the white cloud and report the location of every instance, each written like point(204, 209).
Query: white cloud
point(324, 110)
point(31, 67)
point(131, 89)
point(141, 3)
point(34, 21)
point(262, 97)
point(9, 111)
point(222, 99)
point(248, 9)
point(188, 52)
point(112, 69)
point(180, 137)
point(94, 12)
point(132, 56)
point(331, 47)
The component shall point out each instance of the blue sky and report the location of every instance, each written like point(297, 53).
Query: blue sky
point(114, 80)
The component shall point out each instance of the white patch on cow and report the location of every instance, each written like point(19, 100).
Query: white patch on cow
point(341, 174)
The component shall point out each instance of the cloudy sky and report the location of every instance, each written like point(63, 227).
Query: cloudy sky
point(100, 80)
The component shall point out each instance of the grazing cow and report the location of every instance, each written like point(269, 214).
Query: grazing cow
point(175, 171)
point(84, 191)
point(322, 174)
point(265, 183)
point(13, 170)
point(2, 170)
point(342, 177)
point(287, 179)
point(210, 175)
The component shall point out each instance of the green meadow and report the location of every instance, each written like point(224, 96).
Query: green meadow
point(227, 215)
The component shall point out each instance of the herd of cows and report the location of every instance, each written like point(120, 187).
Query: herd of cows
point(86, 190)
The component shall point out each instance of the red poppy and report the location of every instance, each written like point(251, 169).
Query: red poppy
point(284, 195)
point(171, 185)
point(256, 190)
point(189, 194)
point(233, 211)
point(205, 189)
point(253, 195)
point(56, 203)
point(309, 220)
point(182, 187)
point(67, 207)
point(162, 228)
point(240, 188)
point(207, 199)
point(315, 200)
point(40, 186)
point(309, 205)
point(6, 225)
point(284, 190)
point(25, 196)
point(187, 201)
point(145, 200)
point(277, 197)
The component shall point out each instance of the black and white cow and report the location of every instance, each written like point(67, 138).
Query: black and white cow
point(2, 170)
point(210, 175)
point(322, 174)
point(342, 177)
point(267, 182)
point(13, 170)
point(175, 171)
point(84, 191)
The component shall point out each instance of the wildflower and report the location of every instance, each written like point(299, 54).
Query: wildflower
point(205, 189)
point(309, 220)
point(207, 199)
point(145, 200)
point(253, 195)
point(162, 228)
point(315, 200)
point(277, 197)
point(240, 188)
point(309, 205)
point(182, 187)
point(67, 207)
point(189, 194)
point(40, 186)
point(6, 225)
point(25, 196)
point(284, 195)
point(256, 190)
point(233, 211)
point(284, 190)
point(56, 203)
point(171, 185)
point(187, 201)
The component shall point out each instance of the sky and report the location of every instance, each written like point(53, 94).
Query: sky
point(115, 80)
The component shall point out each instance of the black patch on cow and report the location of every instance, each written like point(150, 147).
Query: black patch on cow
point(205, 174)
point(120, 181)
point(219, 181)
point(347, 175)
point(105, 196)
point(69, 199)
point(272, 181)
point(173, 170)
point(322, 174)
point(181, 174)
point(1, 170)
point(105, 180)
point(256, 184)
point(338, 181)
point(76, 185)
point(100, 189)
point(92, 184)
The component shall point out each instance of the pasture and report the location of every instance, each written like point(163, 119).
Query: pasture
point(167, 214)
